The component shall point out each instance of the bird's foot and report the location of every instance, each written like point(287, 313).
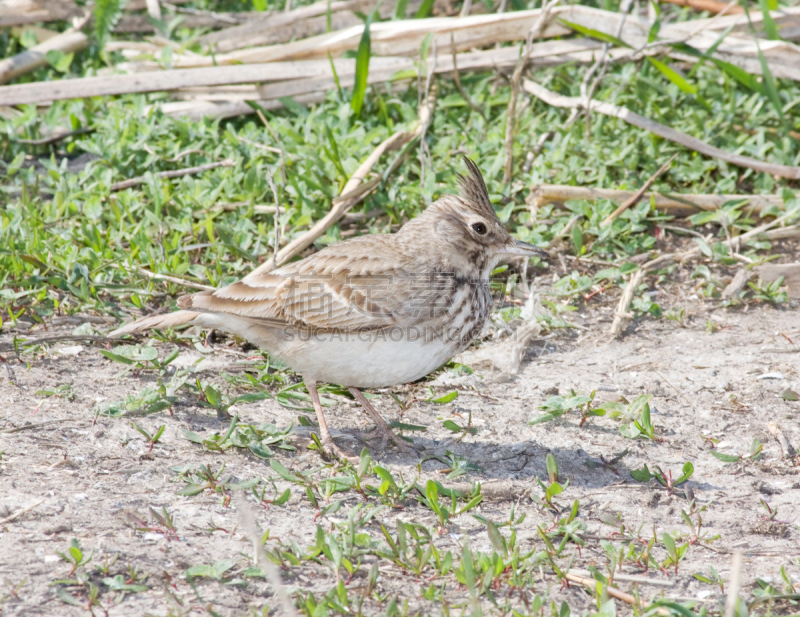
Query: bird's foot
point(330, 448)
point(389, 436)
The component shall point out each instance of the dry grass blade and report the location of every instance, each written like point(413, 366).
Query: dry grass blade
point(457, 81)
point(269, 568)
point(173, 279)
point(395, 38)
point(734, 585)
point(612, 591)
point(638, 195)
point(19, 12)
point(623, 308)
point(712, 6)
point(175, 173)
point(39, 92)
point(623, 113)
point(19, 513)
point(677, 204)
point(27, 427)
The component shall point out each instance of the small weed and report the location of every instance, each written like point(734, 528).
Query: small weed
point(769, 292)
point(257, 439)
point(636, 413)
point(677, 315)
point(712, 578)
point(557, 406)
point(75, 556)
point(664, 478)
point(430, 495)
point(151, 439)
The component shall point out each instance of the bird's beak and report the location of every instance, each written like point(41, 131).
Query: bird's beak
point(518, 247)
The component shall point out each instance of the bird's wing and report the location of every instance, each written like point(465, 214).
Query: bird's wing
point(355, 285)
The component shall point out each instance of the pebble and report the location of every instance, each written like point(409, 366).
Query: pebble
point(771, 376)
point(72, 350)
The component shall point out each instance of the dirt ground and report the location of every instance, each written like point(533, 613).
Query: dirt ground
point(94, 481)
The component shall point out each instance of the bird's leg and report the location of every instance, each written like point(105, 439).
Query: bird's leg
point(384, 429)
point(324, 434)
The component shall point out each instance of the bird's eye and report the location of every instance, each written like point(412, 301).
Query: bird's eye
point(479, 228)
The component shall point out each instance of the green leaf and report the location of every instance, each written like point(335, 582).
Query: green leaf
point(789, 395)
point(675, 77)
point(631, 431)
point(688, 470)
point(296, 108)
point(404, 74)
point(118, 584)
point(424, 9)
point(447, 398)
point(496, 538)
point(246, 485)
point(401, 426)
point(766, 75)
point(669, 545)
point(652, 35)
point(116, 358)
point(641, 475)
point(577, 240)
point(59, 60)
point(215, 571)
point(432, 493)
point(726, 458)
point(769, 24)
point(595, 34)
point(552, 468)
point(136, 353)
point(452, 426)
point(67, 598)
point(545, 417)
point(283, 498)
point(106, 16)
point(191, 489)
point(362, 66)
point(284, 473)
point(260, 450)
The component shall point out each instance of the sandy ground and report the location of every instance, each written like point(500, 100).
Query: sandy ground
point(95, 482)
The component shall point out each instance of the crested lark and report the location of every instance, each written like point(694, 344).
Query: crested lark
point(372, 311)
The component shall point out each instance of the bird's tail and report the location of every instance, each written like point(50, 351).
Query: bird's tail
point(168, 320)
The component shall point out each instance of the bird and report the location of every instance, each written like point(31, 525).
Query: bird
point(372, 311)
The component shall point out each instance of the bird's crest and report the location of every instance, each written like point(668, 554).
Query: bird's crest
point(472, 189)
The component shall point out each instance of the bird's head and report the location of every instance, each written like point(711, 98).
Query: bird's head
point(465, 228)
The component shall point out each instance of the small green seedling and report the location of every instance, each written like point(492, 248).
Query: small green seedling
point(556, 406)
point(637, 413)
point(554, 488)
point(713, 578)
point(769, 292)
point(674, 552)
point(451, 426)
point(75, 556)
point(151, 439)
point(664, 479)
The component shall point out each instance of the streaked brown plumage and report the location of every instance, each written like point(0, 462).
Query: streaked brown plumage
point(372, 311)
